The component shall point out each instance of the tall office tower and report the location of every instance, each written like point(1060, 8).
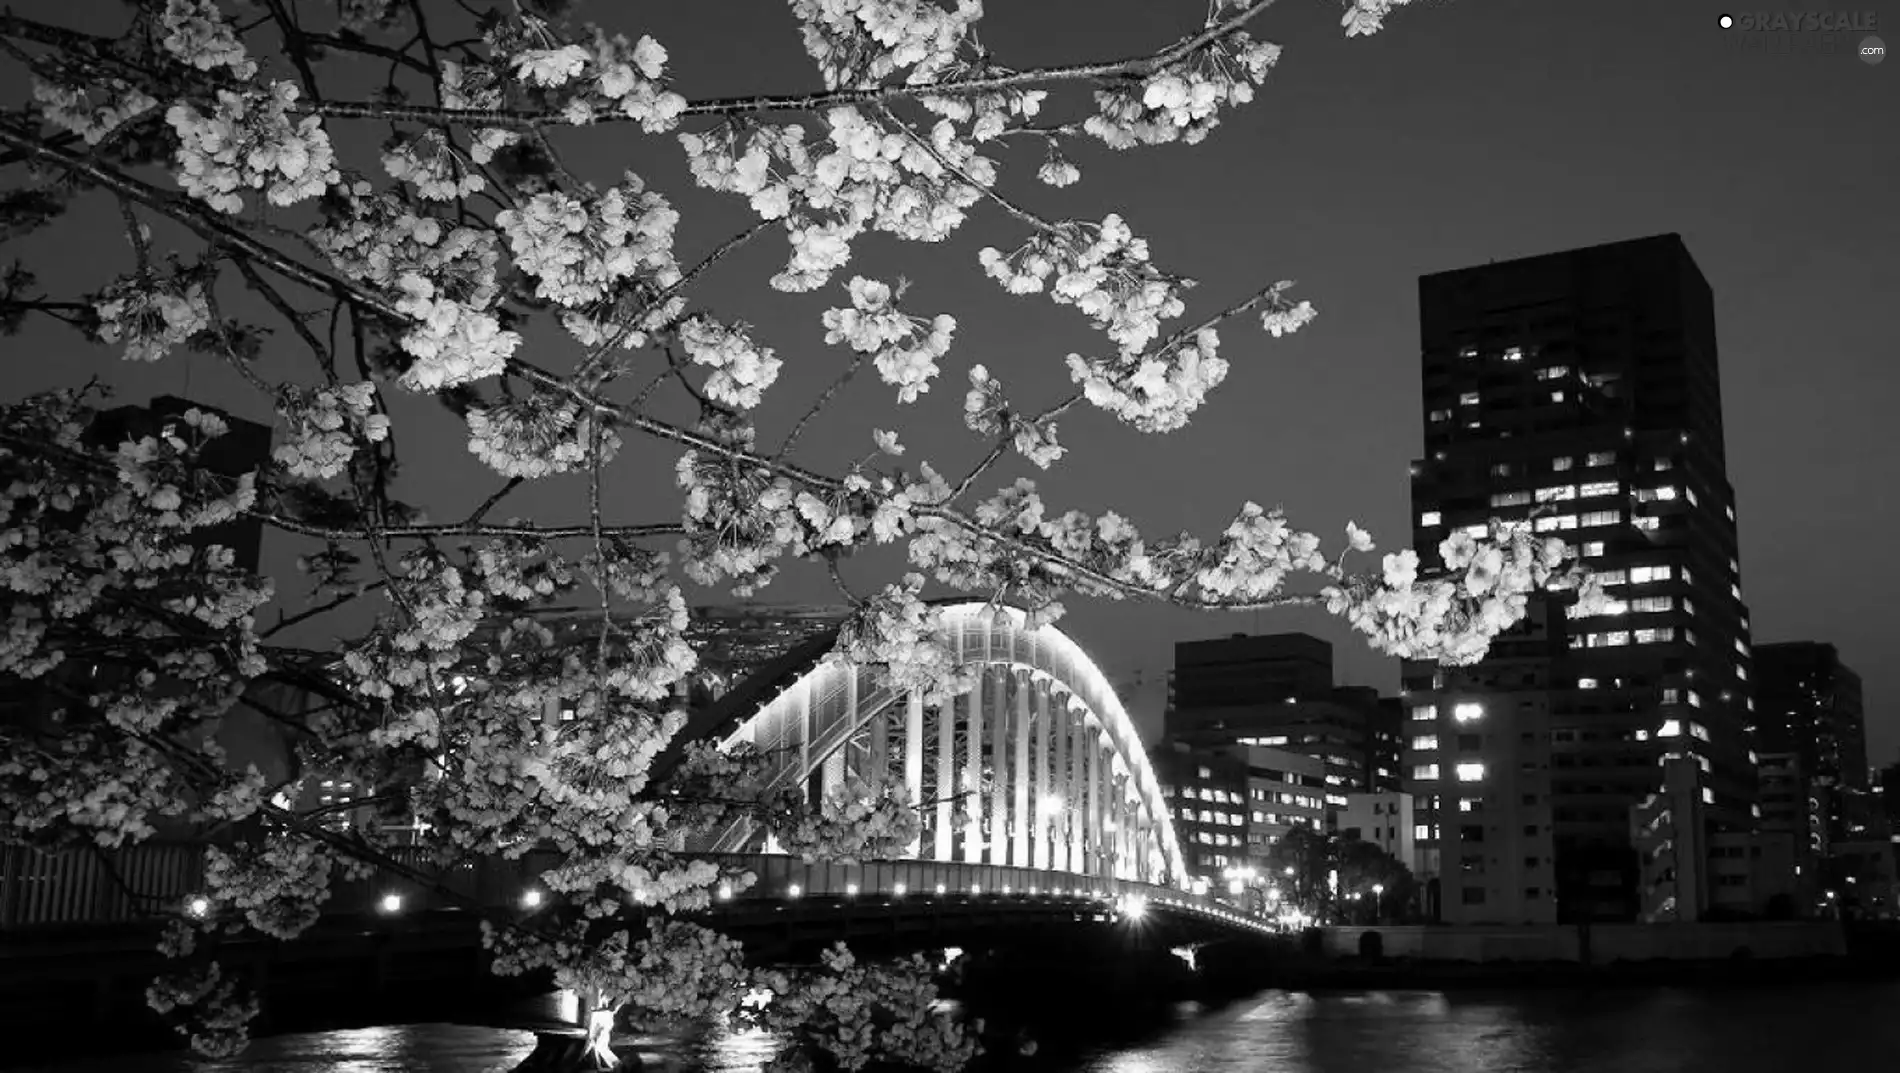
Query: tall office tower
point(1276, 691)
point(1577, 393)
point(1808, 703)
point(244, 447)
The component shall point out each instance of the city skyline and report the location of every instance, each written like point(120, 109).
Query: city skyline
point(1674, 144)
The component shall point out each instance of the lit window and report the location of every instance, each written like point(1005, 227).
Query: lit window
point(1601, 517)
point(1478, 529)
point(1515, 353)
point(1468, 352)
point(1644, 605)
point(1425, 772)
point(1642, 735)
point(1671, 728)
point(1468, 712)
point(1556, 493)
point(1708, 796)
point(1741, 672)
point(1468, 804)
point(1695, 699)
point(1663, 464)
point(1586, 683)
point(1592, 549)
point(1672, 695)
point(1561, 463)
point(1422, 713)
point(1735, 590)
point(1551, 522)
point(1601, 458)
point(1422, 832)
point(1698, 731)
point(1472, 772)
point(1441, 415)
point(1500, 469)
point(1648, 525)
point(1642, 575)
point(1731, 513)
point(1429, 519)
point(1556, 396)
point(1469, 398)
point(1510, 499)
point(1552, 372)
point(1425, 742)
point(1599, 488)
point(1690, 492)
point(1664, 493)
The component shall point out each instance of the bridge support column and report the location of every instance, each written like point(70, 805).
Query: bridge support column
point(1022, 684)
point(914, 757)
point(1092, 856)
point(1059, 716)
point(971, 803)
point(1076, 806)
point(946, 787)
point(999, 767)
point(1045, 816)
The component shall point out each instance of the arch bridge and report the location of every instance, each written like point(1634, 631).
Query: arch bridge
point(1038, 767)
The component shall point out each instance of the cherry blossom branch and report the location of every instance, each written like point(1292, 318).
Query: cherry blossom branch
point(468, 529)
point(1129, 67)
point(823, 400)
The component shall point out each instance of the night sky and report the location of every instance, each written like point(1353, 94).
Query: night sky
point(1467, 131)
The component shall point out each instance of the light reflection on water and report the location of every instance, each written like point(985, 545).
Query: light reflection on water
point(1818, 1027)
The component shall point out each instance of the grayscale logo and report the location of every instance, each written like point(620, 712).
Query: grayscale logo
point(1872, 50)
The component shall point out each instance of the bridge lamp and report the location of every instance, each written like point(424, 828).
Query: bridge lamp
point(850, 890)
point(725, 892)
point(940, 888)
point(391, 903)
point(898, 890)
point(793, 891)
point(1233, 886)
point(1032, 892)
point(976, 888)
point(198, 905)
point(1005, 890)
point(531, 899)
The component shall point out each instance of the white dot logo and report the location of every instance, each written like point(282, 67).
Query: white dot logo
point(1873, 50)
point(1726, 21)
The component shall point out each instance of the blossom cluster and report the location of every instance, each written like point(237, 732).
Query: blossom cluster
point(325, 425)
point(741, 370)
point(858, 42)
point(859, 1013)
point(92, 109)
point(152, 314)
point(196, 33)
point(859, 819)
point(279, 887)
point(248, 141)
point(538, 435)
point(905, 348)
point(444, 277)
point(578, 250)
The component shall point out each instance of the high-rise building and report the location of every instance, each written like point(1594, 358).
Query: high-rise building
point(1578, 393)
point(244, 447)
point(1276, 691)
point(1807, 702)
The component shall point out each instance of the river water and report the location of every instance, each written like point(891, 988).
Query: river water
point(1848, 1028)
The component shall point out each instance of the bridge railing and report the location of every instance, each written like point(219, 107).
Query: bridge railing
point(79, 888)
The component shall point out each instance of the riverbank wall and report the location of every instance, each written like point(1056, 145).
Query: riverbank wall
point(1588, 944)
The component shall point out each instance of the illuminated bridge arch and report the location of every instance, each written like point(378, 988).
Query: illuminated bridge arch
point(1039, 766)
